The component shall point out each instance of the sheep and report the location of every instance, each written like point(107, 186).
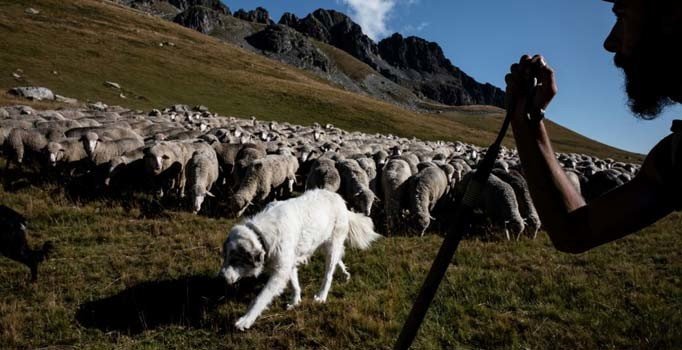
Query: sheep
point(112, 133)
point(21, 145)
point(101, 152)
point(498, 200)
point(67, 156)
point(166, 161)
point(119, 162)
point(323, 174)
point(202, 173)
point(425, 188)
point(13, 244)
point(355, 186)
point(600, 183)
point(248, 153)
point(263, 177)
point(370, 168)
point(523, 198)
point(395, 173)
point(380, 158)
point(574, 177)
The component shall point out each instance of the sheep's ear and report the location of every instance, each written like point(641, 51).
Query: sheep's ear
point(208, 193)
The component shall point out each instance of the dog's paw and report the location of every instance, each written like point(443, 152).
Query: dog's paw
point(294, 303)
point(320, 299)
point(243, 323)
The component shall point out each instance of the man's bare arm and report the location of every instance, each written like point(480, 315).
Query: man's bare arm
point(573, 225)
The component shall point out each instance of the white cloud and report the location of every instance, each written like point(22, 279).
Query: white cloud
point(411, 28)
point(372, 15)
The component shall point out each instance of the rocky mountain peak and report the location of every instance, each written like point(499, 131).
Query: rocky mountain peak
point(259, 15)
point(336, 29)
point(199, 18)
point(414, 53)
point(215, 5)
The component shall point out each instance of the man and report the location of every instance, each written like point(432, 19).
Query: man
point(646, 42)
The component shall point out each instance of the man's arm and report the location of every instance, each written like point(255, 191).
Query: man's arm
point(573, 225)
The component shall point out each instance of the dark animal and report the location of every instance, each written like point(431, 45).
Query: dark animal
point(13, 242)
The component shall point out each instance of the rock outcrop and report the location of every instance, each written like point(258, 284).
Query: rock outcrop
point(199, 18)
point(169, 9)
point(337, 29)
point(259, 15)
point(290, 46)
point(422, 66)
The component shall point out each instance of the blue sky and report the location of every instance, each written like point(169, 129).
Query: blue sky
point(483, 37)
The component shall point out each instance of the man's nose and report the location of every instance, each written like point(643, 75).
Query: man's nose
point(612, 42)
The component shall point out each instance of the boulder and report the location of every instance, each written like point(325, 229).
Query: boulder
point(111, 84)
point(33, 93)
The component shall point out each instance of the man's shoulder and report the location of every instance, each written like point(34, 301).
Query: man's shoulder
point(663, 165)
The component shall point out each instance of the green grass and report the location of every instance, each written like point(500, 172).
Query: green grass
point(87, 42)
point(497, 294)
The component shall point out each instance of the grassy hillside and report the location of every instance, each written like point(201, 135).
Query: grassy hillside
point(74, 46)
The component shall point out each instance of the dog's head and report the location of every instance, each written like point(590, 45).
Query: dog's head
point(243, 253)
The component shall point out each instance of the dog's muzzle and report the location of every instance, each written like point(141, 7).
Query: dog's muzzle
point(229, 275)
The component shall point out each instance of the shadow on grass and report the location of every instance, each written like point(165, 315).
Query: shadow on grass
point(187, 302)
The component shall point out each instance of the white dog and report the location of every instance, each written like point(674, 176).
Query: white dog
point(284, 235)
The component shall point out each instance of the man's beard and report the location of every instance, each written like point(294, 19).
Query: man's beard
point(652, 76)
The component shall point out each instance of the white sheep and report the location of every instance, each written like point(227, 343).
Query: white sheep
point(425, 189)
point(523, 198)
point(202, 172)
point(263, 178)
point(323, 174)
point(498, 201)
point(102, 151)
point(355, 186)
point(394, 174)
point(22, 145)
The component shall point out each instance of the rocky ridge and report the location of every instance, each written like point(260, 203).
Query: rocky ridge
point(405, 71)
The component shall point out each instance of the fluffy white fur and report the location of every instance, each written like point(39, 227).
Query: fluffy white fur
point(285, 235)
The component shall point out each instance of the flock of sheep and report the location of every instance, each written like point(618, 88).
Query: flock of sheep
point(192, 156)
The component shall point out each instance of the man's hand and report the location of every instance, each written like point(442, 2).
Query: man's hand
point(520, 84)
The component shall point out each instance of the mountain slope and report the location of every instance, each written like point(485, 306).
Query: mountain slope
point(87, 42)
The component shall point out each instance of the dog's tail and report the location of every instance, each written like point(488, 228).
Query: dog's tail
point(361, 233)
